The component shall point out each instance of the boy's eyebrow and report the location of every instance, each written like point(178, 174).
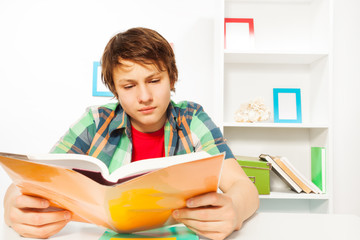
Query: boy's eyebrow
point(153, 74)
point(126, 80)
point(133, 80)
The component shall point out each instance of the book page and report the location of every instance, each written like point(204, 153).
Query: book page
point(98, 171)
point(72, 161)
point(148, 165)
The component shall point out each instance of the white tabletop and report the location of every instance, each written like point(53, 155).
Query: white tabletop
point(266, 226)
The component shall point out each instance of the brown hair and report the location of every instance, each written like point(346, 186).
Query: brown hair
point(140, 45)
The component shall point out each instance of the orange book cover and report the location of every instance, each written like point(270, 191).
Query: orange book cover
point(141, 203)
point(291, 174)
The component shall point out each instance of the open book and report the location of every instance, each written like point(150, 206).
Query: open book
point(144, 198)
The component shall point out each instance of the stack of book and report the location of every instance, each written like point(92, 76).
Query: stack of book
point(290, 175)
point(174, 232)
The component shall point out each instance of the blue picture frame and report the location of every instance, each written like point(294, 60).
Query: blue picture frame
point(287, 105)
point(95, 91)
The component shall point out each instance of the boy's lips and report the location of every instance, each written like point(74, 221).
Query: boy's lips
point(147, 110)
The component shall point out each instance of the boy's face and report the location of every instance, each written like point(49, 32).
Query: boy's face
point(144, 94)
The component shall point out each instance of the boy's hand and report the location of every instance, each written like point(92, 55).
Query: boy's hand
point(212, 215)
point(32, 216)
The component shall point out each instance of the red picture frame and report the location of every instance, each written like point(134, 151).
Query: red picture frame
point(249, 21)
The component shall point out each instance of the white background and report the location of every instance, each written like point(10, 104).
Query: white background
point(346, 106)
point(47, 49)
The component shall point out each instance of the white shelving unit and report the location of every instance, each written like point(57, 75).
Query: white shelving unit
point(293, 49)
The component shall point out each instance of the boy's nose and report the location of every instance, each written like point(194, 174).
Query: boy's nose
point(144, 94)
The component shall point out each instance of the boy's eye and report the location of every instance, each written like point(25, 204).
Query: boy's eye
point(155, 80)
point(128, 86)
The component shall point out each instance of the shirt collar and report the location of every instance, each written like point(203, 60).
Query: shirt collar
point(172, 116)
point(121, 119)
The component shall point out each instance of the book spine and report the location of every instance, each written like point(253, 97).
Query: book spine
point(308, 183)
point(318, 165)
point(283, 176)
point(292, 175)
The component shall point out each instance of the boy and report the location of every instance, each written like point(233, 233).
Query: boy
point(138, 66)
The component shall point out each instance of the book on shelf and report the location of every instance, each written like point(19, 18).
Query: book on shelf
point(308, 184)
point(280, 172)
point(175, 232)
point(318, 167)
point(136, 197)
point(290, 175)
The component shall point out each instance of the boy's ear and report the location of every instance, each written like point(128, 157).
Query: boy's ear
point(172, 86)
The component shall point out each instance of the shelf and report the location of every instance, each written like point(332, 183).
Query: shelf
point(292, 195)
point(295, 53)
point(274, 57)
point(276, 125)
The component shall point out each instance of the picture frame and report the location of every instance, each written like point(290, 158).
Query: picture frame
point(287, 105)
point(239, 33)
point(98, 87)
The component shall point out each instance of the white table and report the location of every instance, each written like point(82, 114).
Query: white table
point(265, 226)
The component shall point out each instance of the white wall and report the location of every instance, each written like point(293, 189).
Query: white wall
point(346, 106)
point(47, 49)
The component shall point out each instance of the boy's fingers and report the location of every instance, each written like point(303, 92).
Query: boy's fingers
point(204, 226)
point(209, 234)
point(43, 231)
point(24, 201)
point(207, 199)
point(199, 214)
point(42, 218)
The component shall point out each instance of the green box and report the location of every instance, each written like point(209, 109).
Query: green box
point(258, 171)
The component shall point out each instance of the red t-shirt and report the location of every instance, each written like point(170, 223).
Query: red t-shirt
point(147, 145)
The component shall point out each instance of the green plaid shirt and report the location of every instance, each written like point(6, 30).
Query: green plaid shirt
point(105, 133)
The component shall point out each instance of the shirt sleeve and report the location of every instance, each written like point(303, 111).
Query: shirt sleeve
point(207, 136)
point(79, 136)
